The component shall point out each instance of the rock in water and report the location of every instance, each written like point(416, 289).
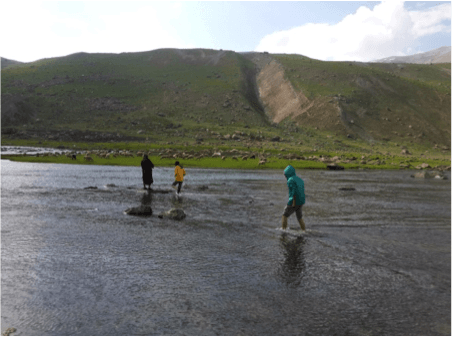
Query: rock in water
point(9, 331)
point(334, 167)
point(173, 213)
point(347, 189)
point(143, 210)
point(430, 175)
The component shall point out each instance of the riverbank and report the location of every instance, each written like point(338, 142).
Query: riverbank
point(233, 160)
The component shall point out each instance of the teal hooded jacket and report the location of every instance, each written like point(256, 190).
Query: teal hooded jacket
point(295, 185)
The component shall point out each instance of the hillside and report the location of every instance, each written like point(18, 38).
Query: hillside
point(370, 101)
point(439, 55)
point(214, 97)
point(152, 92)
point(9, 63)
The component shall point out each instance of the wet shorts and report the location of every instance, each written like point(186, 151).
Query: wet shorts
point(289, 210)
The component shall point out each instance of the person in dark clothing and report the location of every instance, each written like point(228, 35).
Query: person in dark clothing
point(146, 168)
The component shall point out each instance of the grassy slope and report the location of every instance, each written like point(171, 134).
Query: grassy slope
point(382, 99)
point(66, 90)
point(157, 90)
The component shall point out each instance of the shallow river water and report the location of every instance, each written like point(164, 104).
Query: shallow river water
point(376, 260)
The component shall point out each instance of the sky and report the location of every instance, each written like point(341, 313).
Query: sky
point(325, 30)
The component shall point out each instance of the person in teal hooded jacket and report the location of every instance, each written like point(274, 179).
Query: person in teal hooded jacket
point(296, 197)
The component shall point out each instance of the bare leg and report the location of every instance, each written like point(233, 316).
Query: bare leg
point(302, 224)
point(284, 222)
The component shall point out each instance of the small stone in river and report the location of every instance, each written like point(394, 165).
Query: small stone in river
point(142, 210)
point(347, 189)
point(429, 175)
point(203, 187)
point(334, 167)
point(111, 185)
point(91, 188)
point(173, 213)
point(9, 331)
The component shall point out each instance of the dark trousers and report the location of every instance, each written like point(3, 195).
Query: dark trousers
point(179, 187)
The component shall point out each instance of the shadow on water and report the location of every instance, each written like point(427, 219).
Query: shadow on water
point(291, 270)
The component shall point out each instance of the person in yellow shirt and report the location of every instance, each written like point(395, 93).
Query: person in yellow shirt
point(179, 174)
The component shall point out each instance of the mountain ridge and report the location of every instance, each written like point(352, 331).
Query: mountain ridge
point(439, 55)
point(8, 63)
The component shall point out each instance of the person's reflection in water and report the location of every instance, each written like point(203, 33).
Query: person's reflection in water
point(291, 270)
point(146, 199)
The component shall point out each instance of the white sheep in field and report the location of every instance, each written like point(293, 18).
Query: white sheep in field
point(88, 158)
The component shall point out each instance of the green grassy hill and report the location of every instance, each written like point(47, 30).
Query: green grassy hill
point(371, 101)
point(126, 93)
point(214, 98)
point(8, 63)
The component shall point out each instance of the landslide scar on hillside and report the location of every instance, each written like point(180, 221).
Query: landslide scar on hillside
point(280, 98)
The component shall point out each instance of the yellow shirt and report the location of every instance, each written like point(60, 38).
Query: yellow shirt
point(179, 173)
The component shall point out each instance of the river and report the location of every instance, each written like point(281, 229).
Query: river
point(375, 260)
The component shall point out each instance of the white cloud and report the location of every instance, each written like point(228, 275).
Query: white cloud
point(429, 21)
point(31, 32)
point(387, 30)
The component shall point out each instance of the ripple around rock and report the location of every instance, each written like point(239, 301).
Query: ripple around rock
point(173, 213)
point(143, 210)
point(429, 175)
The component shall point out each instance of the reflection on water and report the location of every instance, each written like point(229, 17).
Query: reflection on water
point(291, 270)
point(375, 261)
point(146, 199)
